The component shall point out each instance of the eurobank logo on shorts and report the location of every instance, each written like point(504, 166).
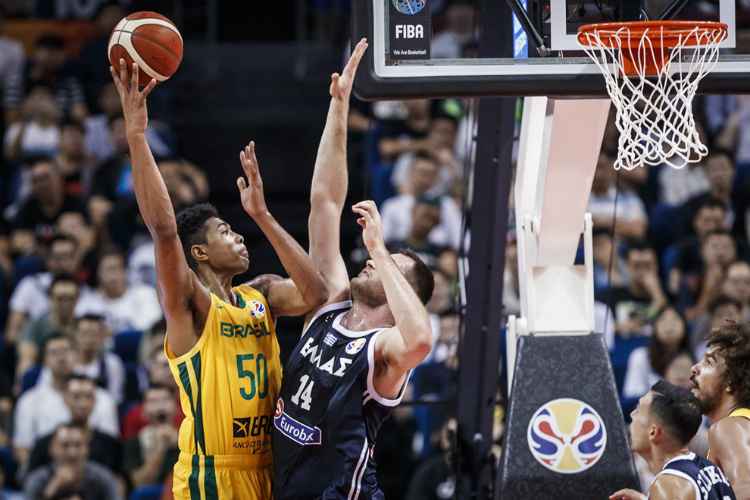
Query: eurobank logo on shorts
point(297, 431)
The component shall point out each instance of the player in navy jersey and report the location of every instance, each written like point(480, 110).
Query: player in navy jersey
point(353, 360)
point(663, 424)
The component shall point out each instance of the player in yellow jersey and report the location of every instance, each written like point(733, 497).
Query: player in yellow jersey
point(221, 340)
point(721, 382)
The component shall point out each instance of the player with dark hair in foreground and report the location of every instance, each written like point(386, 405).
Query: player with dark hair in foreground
point(721, 382)
point(221, 341)
point(663, 424)
point(353, 360)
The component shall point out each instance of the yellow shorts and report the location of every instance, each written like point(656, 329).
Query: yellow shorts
point(225, 477)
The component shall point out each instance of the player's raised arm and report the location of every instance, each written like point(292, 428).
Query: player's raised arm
point(180, 292)
point(401, 348)
point(306, 288)
point(330, 182)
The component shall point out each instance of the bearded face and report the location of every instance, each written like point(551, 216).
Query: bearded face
point(707, 379)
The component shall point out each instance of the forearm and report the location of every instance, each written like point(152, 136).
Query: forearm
point(741, 489)
point(410, 314)
point(330, 177)
point(150, 191)
point(149, 471)
point(296, 262)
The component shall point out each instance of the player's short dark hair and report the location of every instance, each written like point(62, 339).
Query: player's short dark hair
point(419, 276)
point(732, 342)
point(677, 409)
point(191, 227)
point(62, 278)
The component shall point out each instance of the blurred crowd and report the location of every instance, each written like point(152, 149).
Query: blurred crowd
point(88, 406)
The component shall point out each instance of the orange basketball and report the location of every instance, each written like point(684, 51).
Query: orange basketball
point(149, 39)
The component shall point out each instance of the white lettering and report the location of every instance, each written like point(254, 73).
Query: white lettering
point(409, 31)
point(307, 348)
point(343, 363)
point(328, 366)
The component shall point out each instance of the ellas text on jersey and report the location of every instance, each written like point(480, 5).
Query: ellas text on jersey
point(335, 366)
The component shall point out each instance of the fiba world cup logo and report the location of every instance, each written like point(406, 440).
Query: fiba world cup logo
point(409, 7)
point(567, 436)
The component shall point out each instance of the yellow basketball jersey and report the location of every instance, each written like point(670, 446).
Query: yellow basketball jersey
point(229, 381)
point(741, 412)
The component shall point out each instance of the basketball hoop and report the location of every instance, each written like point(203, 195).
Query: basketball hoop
point(652, 70)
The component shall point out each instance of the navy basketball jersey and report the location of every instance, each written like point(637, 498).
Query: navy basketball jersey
point(707, 479)
point(328, 414)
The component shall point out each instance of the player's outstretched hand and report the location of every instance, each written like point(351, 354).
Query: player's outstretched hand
point(372, 225)
point(341, 84)
point(251, 191)
point(132, 99)
point(627, 495)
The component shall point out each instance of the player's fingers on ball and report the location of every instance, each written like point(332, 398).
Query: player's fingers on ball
point(123, 71)
point(134, 77)
point(149, 88)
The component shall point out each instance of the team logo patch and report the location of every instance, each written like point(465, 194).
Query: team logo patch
point(409, 7)
point(279, 408)
point(241, 427)
point(257, 309)
point(329, 339)
point(355, 346)
point(567, 436)
point(295, 430)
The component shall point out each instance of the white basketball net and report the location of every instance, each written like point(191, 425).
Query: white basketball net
point(654, 113)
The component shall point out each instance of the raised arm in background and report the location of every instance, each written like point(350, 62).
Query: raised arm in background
point(330, 183)
point(305, 289)
point(184, 299)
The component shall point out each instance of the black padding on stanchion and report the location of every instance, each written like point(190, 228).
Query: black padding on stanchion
point(551, 368)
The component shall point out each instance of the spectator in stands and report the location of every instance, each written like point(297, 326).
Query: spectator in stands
point(150, 456)
point(158, 375)
point(425, 218)
point(718, 251)
point(442, 142)
point(104, 449)
point(30, 298)
point(75, 225)
point(37, 132)
point(43, 407)
point(435, 479)
point(677, 185)
point(397, 211)
point(60, 319)
point(125, 307)
point(720, 172)
point(38, 214)
point(94, 361)
point(460, 26)
point(94, 67)
point(408, 135)
point(630, 220)
point(112, 179)
point(678, 369)
point(737, 286)
point(607, 272)
point(75, 165)
point(12, 60)
point(687, 268)
point(47, 67)
point(647, 365)
point(728, 120)
point(721, 310)
point(101, 143)
point(637, 304)
point(5, 493)
point(71, 475)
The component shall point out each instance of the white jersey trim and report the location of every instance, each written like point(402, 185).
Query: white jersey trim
point(326, 309)
point(683, 476)
point(359, 472)
point(372, 393)
point(350, 333)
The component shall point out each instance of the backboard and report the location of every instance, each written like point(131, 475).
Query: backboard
point(451, 66)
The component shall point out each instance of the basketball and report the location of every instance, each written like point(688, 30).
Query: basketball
point(150, 40)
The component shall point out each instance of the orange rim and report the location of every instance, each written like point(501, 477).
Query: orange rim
point(668, 33)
